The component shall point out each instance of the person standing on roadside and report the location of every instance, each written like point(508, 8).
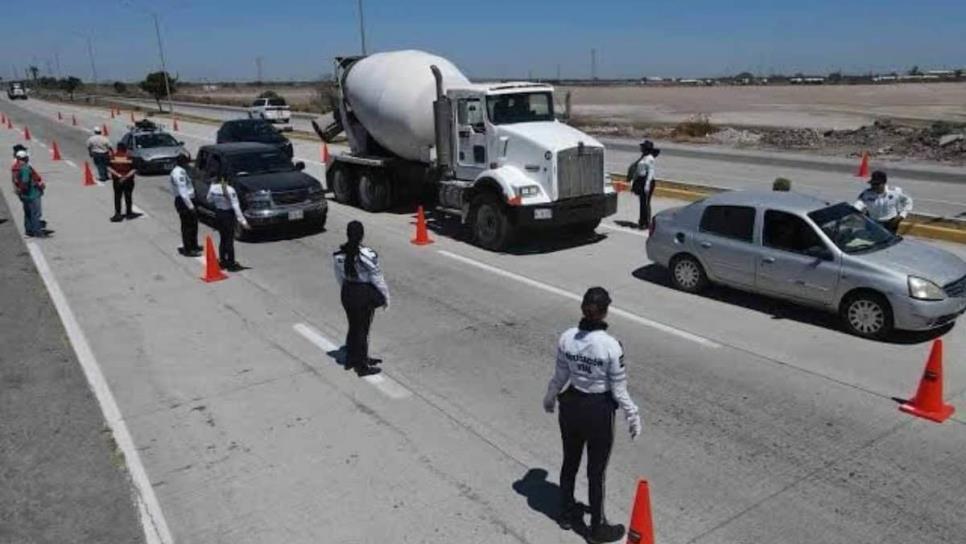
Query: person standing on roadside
point(122, 173)
point(886, 205)
point(642, 174)
point(30, 188)
point(99, 148)
point(592, 361)
point(184, 193)
point(363, 290)
point(228, 213)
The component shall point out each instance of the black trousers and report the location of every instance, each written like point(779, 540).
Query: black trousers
point(891, 225)
point(225, 223)
point(189, 225)
point(360, 301)
point(586, 420)
point(645, 206)
point(125, 190)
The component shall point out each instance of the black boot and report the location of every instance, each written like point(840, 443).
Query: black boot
point(366, 370)
point(570, 516)
point(605, 532)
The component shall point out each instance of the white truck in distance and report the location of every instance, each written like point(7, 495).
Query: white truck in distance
point(492, 154)
point(272, 109)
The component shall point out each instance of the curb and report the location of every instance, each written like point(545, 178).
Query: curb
point(921, 225)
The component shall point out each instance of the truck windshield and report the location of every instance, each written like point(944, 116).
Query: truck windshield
point(260, 163)
point(852, 231)
point(505, 109)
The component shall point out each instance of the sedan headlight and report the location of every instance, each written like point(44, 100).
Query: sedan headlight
point(923, 289)
point(528, 190)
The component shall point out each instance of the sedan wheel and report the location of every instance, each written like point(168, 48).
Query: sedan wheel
point(688, 275)
point(868, 315)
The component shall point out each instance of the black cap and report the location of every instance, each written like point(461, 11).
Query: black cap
point(647, 145)
point(596, 296)
point(878, 177)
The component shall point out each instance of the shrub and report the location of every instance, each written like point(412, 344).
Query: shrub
point(781, 184)
point(696, 126)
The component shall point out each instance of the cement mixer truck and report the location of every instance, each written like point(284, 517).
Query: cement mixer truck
point(494, 155)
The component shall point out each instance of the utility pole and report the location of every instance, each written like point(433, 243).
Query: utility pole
point(164, 68)
point(90, 52)
point(593, 64)
point(558, 73)
point(57, 63)
point(362, 27)
point(258, 69)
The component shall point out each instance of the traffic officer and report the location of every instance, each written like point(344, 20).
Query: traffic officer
point(184, 193)
point(122, 173)
point(29, 188)
point(592, 361)
point(99, 148)
point(886, 205)
point(641, 174)
point(227, 213)
point(363, 290)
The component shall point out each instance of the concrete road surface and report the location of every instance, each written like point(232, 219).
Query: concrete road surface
point(763, 422)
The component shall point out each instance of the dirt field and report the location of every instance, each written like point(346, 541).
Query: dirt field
point(301, 97)
point(816, 107)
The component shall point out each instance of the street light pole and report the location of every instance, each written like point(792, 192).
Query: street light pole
point(164, 69)
point(90, 52)
point(362, 27)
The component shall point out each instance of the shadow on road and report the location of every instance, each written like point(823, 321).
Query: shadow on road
point(544, 496)
point(626, 224)
point(780, 309)
point(528, 241)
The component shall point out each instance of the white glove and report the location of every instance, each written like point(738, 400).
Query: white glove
point(549, 402)
point(634, 425)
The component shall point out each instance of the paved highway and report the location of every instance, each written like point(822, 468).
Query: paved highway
point(762, 422)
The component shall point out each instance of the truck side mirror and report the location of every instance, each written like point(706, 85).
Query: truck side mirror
point(300, 166)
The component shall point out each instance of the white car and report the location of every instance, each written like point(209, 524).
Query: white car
point(273, 110)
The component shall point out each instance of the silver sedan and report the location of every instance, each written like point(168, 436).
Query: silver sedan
point(814, 253)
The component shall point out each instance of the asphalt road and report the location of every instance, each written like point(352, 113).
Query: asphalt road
point(763, 422)
point(937, 190)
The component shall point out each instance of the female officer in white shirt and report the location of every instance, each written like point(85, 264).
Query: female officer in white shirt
point(363, 290)
point(227, 211)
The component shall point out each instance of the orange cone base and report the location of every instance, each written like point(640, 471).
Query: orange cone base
point(421, 242)
point(213, 271)
point(945, 411)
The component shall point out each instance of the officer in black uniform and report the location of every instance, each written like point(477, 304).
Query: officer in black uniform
point(363, 290)
point(592, 361)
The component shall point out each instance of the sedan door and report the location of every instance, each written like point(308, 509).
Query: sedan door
point(725, 243)
point(795, 261)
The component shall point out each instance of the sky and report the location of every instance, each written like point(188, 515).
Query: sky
point(219, 40)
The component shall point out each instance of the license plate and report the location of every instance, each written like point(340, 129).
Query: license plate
point(296, 215)
point(543, 213)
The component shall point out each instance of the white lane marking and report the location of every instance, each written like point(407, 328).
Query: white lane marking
point(573, 296)
point(70, 163)
point(386, 385)
point(625, 230)
point(41, 144)
point(152, 518)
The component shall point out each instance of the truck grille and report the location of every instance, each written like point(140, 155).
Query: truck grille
point(580, 172)
point(283, 198)
point(956, 288)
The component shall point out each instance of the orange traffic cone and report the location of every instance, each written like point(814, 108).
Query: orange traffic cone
point(9, 124)
point(213, 270)
point(73, 120)
point(132, 118)
point(176, 124)
point(928, 402)
point(422, 235)
point(641, 530)
point(324, 153)
point(55, 151)
point(104, 130)
point(863, 166)
point(26, 133)
point(60, 117)
point(3, 118)
point(88, 175)
point(112, 113)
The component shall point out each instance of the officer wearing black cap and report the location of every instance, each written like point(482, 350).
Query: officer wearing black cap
point(592, 361)
point(641, 175)
point(884, 204)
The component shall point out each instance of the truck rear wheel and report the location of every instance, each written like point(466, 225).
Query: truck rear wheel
point(373, 192)
point(490, 224)
point(341, 185)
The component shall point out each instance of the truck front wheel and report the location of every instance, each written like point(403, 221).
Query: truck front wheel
point(490, 224)
point(373, 192)
point(341, 185)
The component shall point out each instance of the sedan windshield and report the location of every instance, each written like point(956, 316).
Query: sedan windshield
point(260, 163)
point(158, 139)
point(852, 231)
point(257, 131)
point(505, 109)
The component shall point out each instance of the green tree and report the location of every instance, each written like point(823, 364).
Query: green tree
point(33, 72)
point(154, 85)
point(745, 76)
point(70, 84)
point(835, 77)
point(915, 71)
point(120, 87)
point(269, 94)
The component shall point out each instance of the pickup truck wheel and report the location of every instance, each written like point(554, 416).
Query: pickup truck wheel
point(322, 220)
point(490, 224)
point(867, 314)
point(373, 192)
point(342, 185)
point(687, 274)
point(585, 227)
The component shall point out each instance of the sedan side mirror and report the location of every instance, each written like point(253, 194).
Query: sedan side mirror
point(300, 166)
point(181, 143)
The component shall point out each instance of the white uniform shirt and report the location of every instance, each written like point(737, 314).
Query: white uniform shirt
point(98, 143)
point(367, 270)
point(224, 202)
point(181, 186)
point(593, 362)
point(646, 171)
point(883, 207)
